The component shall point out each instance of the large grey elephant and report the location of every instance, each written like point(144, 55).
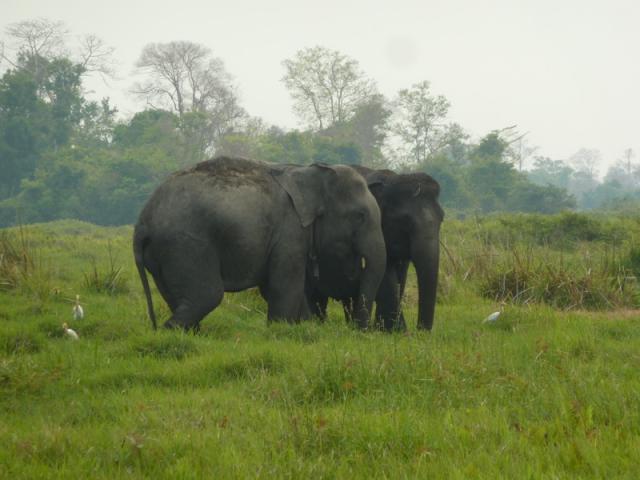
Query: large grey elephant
point(229, 224)
point(411, 218)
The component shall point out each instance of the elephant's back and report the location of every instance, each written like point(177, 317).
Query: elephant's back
point(230, 173)
point(194, 200)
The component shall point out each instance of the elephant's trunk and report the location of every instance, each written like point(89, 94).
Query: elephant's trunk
point(425, 254)
point(371, 249)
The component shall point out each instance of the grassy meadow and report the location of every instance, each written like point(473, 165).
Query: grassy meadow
point(550, 390)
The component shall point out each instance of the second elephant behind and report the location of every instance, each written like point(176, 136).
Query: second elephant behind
point(411, 218)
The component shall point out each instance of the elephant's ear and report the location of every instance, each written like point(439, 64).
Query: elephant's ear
point(306, 209)
point(376, 182)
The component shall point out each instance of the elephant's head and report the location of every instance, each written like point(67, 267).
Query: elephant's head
point(345, 221)
point(411, 218)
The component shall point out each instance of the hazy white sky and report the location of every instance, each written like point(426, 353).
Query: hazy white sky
point(567, 71)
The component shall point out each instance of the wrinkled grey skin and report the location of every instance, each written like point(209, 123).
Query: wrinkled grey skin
point(411, 218)
point(229, 224)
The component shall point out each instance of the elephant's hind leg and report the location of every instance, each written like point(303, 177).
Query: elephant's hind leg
point(193, 278)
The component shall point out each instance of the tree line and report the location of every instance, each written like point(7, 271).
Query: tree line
point(65, 155)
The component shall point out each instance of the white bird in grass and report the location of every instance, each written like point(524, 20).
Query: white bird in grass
point(495, 315)
point(78, 312)
point(69, 332)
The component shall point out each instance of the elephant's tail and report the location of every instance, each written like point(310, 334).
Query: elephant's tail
point(140, 239)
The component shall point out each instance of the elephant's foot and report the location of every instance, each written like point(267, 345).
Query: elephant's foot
point(172, 324)
point(394, 324)
point(424, 327)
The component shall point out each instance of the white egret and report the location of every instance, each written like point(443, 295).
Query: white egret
point(78, 311)
point(495, 315)
point(69, 332)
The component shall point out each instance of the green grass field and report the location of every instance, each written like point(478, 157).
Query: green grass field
point(551, 390)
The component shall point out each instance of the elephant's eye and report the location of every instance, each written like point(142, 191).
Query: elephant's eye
point(359, 217)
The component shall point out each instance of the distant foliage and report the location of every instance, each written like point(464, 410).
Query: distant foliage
point(63, 155)
point(482, 179)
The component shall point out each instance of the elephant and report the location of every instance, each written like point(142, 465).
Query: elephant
point(228, 224)
point(411, 218)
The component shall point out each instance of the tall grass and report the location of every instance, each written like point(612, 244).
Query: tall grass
point(22, 266)
point(527, 276)
point(568, 261)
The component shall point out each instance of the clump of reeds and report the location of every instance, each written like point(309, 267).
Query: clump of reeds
point(21, 266)
point(528, 276)
point(109, 280)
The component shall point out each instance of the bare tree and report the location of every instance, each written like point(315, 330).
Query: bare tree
point(186, 78)
point(518, 149)
point(629, 165)
point(37, 38)
point(33, 43)
point(96, 56)
point(183, 76)
point(586, 160)
point(624, 171)
point(326, 86)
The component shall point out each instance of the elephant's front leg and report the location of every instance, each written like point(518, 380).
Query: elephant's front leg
point(317, 302)
point(388, 301)
point(401, 269)
point(318, 306)
point(348, 309)
point(285, 291)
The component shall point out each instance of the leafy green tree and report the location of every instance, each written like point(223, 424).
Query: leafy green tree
point(420, 124)
point(451, 177)
point(36, 114)
point(62, 88)
point(367, 130)
point(546, 171)
point(329, 151)
point(529, 197)
point(490, 147)
point(97, 121)
point(602, 194)
point(24, 129)
point(490, 181)
point(149, 127)
point(286, 147)
point(104, 182)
